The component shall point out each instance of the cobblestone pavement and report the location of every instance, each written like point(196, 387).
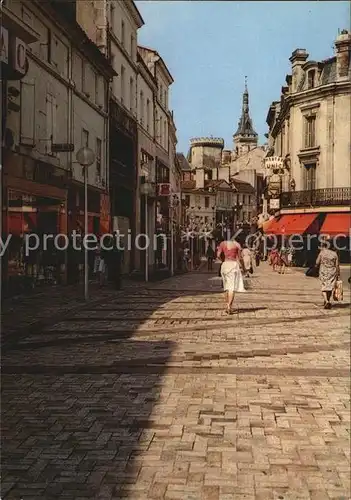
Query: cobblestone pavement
point(156, 393)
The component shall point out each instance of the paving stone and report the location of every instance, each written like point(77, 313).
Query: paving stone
point(156, 393)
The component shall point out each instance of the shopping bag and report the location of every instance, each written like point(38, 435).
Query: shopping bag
point(312, 272)
point(338, 293)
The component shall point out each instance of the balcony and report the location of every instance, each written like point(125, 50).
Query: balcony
point(317, 198)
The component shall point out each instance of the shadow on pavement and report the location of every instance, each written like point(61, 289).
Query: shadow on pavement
point(77, 408)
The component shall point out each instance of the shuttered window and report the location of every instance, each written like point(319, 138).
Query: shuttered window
point(50, 121)
point(27, 133)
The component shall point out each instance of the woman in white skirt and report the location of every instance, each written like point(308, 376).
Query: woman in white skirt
point(231, 271)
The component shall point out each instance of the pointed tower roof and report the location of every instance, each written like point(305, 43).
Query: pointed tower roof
point(245, 127)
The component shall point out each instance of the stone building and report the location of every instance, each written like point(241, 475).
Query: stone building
point(58, 105)
point(146, 190)
point(247, 157)
point(113, 26)
point(163, 170)
point(308, 161)
point(210, 171)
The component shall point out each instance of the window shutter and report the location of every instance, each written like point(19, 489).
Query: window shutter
point(50, 121)
point(27, 134)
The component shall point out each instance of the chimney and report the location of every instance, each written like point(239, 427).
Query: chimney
point(200, 178)
point(342, 51)
point(297, 59)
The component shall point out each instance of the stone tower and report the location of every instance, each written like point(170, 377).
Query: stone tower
point(245, 138)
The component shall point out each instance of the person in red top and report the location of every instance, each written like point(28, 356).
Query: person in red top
point(231, 271)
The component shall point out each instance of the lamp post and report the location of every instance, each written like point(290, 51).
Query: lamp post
point(146, 189)
point(85, 157)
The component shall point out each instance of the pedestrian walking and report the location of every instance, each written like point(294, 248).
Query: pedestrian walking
point(247, 260)
point(230, 271)
point(329, 271)
point(282, 260)
point(210, 257)
point(100, 265)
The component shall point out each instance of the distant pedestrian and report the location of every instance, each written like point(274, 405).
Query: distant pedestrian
point(247, 260)
point(283, 260)
point(329, 271)
point(210, 254)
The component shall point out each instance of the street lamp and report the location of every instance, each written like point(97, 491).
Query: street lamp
point(85, 157)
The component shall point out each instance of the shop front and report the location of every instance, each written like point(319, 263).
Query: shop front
point(34, 217)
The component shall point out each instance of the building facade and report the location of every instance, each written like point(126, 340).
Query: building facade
point(146, 190)
point(113, 26)
point(58, 106)
point(164, 80)
point(308, 162)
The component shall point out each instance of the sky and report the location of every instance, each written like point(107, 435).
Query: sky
point(210, 46)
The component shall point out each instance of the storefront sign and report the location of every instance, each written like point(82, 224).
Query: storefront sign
point(164, 189)
point(4, 45)
point(274, 204)
point(273, 162)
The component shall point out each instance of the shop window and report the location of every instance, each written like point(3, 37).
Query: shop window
point(27, 132)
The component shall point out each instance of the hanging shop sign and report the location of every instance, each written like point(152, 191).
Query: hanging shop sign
point(274, 203)
point(164, 189)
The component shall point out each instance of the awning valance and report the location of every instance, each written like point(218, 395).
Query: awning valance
point(336, 224)
point(293, 224)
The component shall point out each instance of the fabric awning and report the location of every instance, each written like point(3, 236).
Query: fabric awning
point(336, 224)
point(293, 224)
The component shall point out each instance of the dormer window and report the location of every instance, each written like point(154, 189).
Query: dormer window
point(311, 79)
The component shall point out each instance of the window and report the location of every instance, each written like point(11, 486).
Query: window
point(249, 199)
point(50, 120)
point(141, 107)
point(123, 34)
point(187, 200)
point(311, 79)
point(165, 135)
point(27, 113)
point(132, 45)
point(165, 98)
point(207, 202)
point(123, 90)
point(98, 157)
point(197, 200)
point(310, 131)
point(148, 114)
point(85, 138)
point(131, 94)
point(244, 199)
point(112, 16)
point(310, 177)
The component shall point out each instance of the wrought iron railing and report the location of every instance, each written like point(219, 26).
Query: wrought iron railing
point(316, 198)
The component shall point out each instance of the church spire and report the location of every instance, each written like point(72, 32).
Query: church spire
point(245, 127)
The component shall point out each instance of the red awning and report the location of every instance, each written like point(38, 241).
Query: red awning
point(293, 224)
point(336, 224)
